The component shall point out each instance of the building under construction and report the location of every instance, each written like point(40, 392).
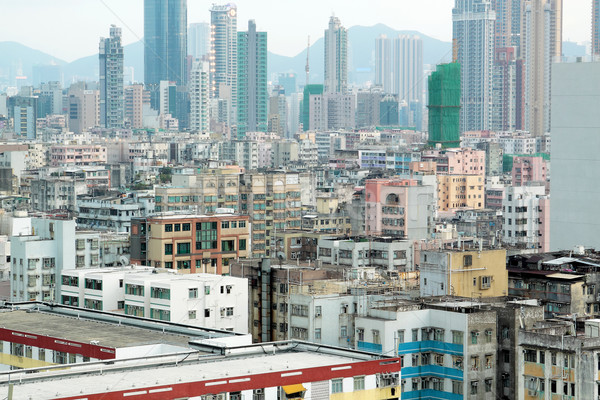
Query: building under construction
point(444, 106)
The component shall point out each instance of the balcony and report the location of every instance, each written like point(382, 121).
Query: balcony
point(430, 345)
point(370, 347)
point(432, 370)
point(431, 394)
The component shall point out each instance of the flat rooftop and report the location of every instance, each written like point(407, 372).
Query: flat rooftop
point(169, 371)
point(109, 329)
point(83, 331)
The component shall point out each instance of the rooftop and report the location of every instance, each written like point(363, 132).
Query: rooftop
point(194, 372)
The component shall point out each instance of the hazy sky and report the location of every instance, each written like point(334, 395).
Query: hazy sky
point(69, 29)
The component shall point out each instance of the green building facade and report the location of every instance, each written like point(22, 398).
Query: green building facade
point(252, 92)
point(444, 106)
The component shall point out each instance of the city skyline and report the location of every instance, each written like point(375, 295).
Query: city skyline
point(288, 39)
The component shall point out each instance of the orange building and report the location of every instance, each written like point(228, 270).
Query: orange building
point(190, 243)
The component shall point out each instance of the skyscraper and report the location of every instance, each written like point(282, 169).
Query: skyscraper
point(199, 40)
point(336, 57)
point(252, 81)
point(383, 63)
point(541, 44)
point(473, 32)
point(223, 57)
point(165, 37)
point(112, 101)
point(596, 28)
point(444, 105)
point(200, 97)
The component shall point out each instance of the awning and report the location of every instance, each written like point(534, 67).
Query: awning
point(290, 389)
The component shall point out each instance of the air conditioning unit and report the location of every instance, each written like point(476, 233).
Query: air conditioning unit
point(476, 333)
point(258, 391)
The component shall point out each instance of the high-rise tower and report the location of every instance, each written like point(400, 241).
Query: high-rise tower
point(596, 28)
point(199, 39)
point(199, 97)
point(336, 57)
point(165, 37)
point(112, 100)
point(252, 81)
point(223, 57)
point(541, 45)
point(444, 105)
point(473, 31)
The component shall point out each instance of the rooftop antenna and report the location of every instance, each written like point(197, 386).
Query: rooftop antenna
point(307, 68)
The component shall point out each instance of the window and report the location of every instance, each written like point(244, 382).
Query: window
point(318, 333)
point(488, 336)
point(160, 293)
point(474, 385)
point(467, 260)
point(360, 334)
point(336, 386)
point(474, 363)
point(457, 337)
point(225, 225)
point(489, 361)
point(553, 386)
point(415, 335)
point(457, 362)
point(401, 336)
point(242, 244)
point(438, 335)
point(344, 331)
point(542, 357)
point(359, 383)
point(228, 245)
point(474, 336)
point(530, 355)
point(486, 282)
point(177, 227)
point(457, 387)
point(206, 312)
point(168, 249)
point(186, 227)
point(168, 227)
point(183, 248)
point(553, 357)
point(376, 337)
point(192, 314)
point(488, 385)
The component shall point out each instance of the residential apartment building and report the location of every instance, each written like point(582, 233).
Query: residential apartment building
point(203, 300)
point(190, 243)
point(34, 337)
point(61, 155)
point(460, 191)
point(335, 373)
point(107, 213)
point(401, 208)
point(448, 348)
point(528, 170)
point(526, 211)
point(39, 257)
point(471, 273)
point(389, 254)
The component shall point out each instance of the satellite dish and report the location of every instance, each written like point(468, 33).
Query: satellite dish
point(281, 255)
point(124, 260)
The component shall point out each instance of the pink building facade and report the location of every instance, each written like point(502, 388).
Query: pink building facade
point(528, 169)
point(77, 155)
point(459, 161)
point(399, 208)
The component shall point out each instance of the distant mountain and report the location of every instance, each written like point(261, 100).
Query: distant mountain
point(86, 68)
point(17, 59)
point(361, 54)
